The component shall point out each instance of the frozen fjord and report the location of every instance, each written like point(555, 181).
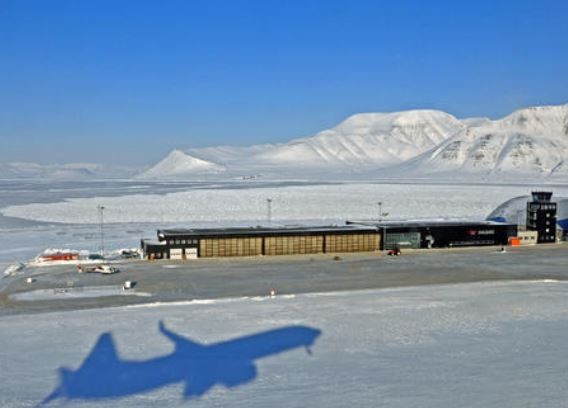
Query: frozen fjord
point(291, 203)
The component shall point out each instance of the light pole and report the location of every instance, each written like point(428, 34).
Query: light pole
point(269, 210)
point(380, 210)
point(101, 209)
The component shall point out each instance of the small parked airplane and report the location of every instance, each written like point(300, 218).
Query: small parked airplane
point(104, 375)
point(99, 268)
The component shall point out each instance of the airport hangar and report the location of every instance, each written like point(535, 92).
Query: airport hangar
point(357, 236)
point(253, 241)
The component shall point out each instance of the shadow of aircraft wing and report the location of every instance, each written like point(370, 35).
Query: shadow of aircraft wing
point(231, 363)
point(182, 344)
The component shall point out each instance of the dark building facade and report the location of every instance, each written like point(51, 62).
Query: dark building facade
point(541, 216)
point(435, 234)
point(223, 242)
point(357, 236)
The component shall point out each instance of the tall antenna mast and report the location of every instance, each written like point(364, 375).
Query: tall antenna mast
point(101, 209)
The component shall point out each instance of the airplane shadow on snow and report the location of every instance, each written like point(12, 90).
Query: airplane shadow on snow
point(103, 375)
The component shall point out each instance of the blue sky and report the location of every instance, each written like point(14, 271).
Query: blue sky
point(126, 81)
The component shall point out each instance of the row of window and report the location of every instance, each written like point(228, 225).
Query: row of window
point(183, 242)
point(535, 207)
point(534, 217)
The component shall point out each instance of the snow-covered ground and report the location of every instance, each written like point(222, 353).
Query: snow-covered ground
point(472, 345)
point(22, 240)
point(325, 203)
point(42, 215)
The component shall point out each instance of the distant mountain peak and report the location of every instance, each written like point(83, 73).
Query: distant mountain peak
point(179, 164)
point(367, 140)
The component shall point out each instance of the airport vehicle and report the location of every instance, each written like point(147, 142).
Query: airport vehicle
point(99, 268)
point(394, 252)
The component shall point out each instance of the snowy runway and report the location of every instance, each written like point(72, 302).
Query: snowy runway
point(474, 345)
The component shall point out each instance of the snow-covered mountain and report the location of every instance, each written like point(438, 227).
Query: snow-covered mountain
point(367, 140)
point(69, 171)
point(361, 143)
point(530, 142)
point(180, 164)
point(229, 155)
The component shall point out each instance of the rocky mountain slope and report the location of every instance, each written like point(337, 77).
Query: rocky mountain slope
point(530, 142)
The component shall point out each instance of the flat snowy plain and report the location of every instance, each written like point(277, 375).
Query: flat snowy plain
point(247, 203)
point(473, 345)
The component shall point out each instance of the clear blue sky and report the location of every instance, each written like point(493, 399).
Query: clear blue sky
point(126, 81)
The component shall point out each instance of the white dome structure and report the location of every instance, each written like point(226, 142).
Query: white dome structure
point(515, 211)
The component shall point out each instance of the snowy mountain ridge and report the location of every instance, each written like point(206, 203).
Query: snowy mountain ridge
point(360, 143)
point(530, 142)
point(367, 140)
point(417, 143)
point(68, 171)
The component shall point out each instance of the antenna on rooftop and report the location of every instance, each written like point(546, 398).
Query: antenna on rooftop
point(269, 210)
point(381, 213)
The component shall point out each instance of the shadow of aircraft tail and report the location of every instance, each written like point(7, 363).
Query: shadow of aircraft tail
point(103, 375)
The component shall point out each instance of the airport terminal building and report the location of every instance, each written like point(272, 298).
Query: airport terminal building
point(441, 234)
point(364, 235)
point(356, 236)
point(254, 241)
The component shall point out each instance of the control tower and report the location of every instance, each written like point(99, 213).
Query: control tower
point(541, 216)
